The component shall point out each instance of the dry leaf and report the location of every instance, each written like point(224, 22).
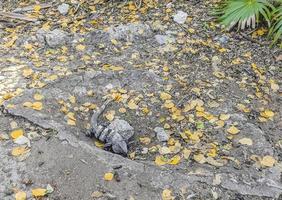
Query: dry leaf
point(167, 195)
point(37, 8)
point(16, 133)
point(122, 110)
point(145, 140)
point(132, 105)
point(72, 99)
point(27, 72)
point(37, 105)
point(224, 117)
point(110, 115)
point(233, 130)
point(96, 194)
point(200, 158)
point(108, 176)
point(71, 122)
point(165, 96)
point(20, 195)
point(175, 160)
point(246, 141)
point(17, 151)
point(268, 161)
point(160, 160)
point(186, 153)
point(99, 144)
point(80, 47)
point(38, 97)
point(267, 114)
point(39, 192)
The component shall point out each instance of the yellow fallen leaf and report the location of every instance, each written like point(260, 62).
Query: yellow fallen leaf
point(99, 144)
point(52, 77)
point(38, 97)
point(20, 195)
point(200, 158)
point(28, 46)
point(80, 47)
point(17, 151)
point(145, 140)
point(122, 110)
point(233, 130)
point(132, 105)
point(116, 68)
point(27, 72)
point(191, 30)
point(165, 96)
point(27, 104)
point(267, 113)
point(8, 96)
point(167, 195)
point(71, 116)
point(11, 42)
point(108, 176)
point(175, 160)
point(114, 42)
point(37, 8)
point(37, 105)
point(186, 153)
point(246, 141)
point(160, 160)
point(17, 133)
point(39, 192)
point(145, 110)
point(110, 115)
point(166, 69)
point(273, 85)
point(268, 161)
point(71, 122)
point(224, 117)
point(72, 99)
point(168, 104)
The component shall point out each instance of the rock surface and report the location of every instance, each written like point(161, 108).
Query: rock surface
point(180, 17)
point(162, 135)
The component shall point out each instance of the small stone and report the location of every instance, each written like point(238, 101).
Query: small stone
point(222, 39)
point(164, 39)
point(63, 8)
point(33, 135)
point(162, 135)
point(145, 150)
point(56, 38)
point(180, 17)
point(13, 124)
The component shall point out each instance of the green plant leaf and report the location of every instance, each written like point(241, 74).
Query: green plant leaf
point(244, 13)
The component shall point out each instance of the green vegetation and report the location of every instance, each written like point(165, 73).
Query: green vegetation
point(250, 13)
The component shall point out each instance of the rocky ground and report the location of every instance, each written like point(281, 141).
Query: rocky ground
point(205, 105)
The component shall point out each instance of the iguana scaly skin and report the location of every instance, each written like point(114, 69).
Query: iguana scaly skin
point(109, 136)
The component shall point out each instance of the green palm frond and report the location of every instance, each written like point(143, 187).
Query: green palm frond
point(245, 13)
point(276, 28)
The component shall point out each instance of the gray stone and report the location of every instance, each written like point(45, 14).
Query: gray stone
point(130, 32)
point(53, 38)
point(164, 39)
point(222, 39)
point(180, 17)
point(63, 8)
point(162, 135)
point(56, 38)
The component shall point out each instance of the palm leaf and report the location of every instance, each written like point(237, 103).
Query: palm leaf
point(244, 13)
point(276, 28)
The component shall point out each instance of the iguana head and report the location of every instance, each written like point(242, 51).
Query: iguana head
point(120, 147)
